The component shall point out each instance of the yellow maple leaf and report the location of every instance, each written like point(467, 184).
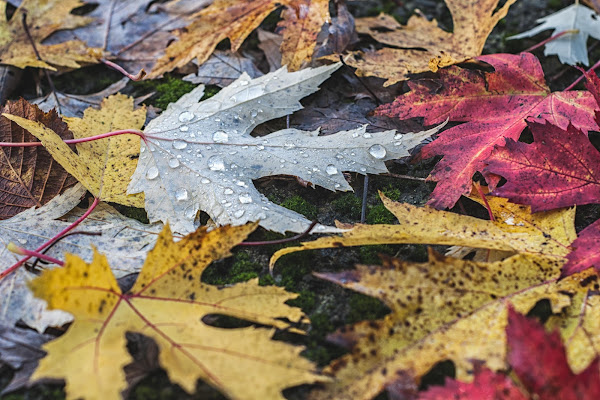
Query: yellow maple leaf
point(447, 309)
point(235, 20)
point(472, 20)
point(167, 303)
point(43, 17)
point(103, 166)
point(516, 230)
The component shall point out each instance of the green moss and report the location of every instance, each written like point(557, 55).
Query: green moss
point(292, 269)
point(363, 307)
point(298, 204)
point(170, 89)
point(370, 254)
point(241, 270)
point(46, 392)
point(306, 301)
point(347, 205)
point(380, 215)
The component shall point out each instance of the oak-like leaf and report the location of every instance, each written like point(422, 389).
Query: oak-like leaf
point(494, 107)
point(167, 303)
point(201, 156)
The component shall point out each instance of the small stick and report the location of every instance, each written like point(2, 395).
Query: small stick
point(117, 67)
point(411, 178)
point(487, 205)
point(279, 241)
point(24, 252)
point(363, 209)
point(551, 38)
point(572, 85)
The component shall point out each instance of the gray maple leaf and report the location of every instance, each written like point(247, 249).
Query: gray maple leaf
point(201, 156)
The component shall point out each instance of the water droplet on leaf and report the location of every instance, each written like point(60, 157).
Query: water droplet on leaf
point(377, 151)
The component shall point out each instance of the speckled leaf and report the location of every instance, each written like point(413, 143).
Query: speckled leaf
point(561, 168)
point(517, 231)
point(445, 309)
point(200, 155)
point(124, 240)
point(472, 22)
point(572, 47)
point(28, 175)
point(167, 303)
point(494, 106)
point(585, 252)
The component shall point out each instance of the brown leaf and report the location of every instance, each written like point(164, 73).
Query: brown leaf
point(28, 175)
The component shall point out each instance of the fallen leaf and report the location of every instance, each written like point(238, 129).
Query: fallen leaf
point(222, 68)
point(585, 251)
point(337, 34)
point(124, 240)
point(104, 166)
point(472, 21)
point(559, 169)
point(301, 23)
point(538, 359)
point(168, 303)
point(43, 18)
point(445, 309)
point(132, 33)
point(571, 48)
point(21, 350)
point(486, 385)
point(516, 231)
point(494, 106)
point(270, 44)
point(28, 175)
point(235, 20)
point(200, 155)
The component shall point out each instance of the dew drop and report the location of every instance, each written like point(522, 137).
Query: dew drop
point(367, 135)
point(205, 180)
point(184, 128)
point(22, 241)
point(245, 198)
point(181, 194)
point(220, 137)
point(228, 191)
point(238, 213)
point(260, 147)
point(331, 170)
point(363, 169)
point(186, 116)
point(179, 144)
point(215, 163)
point(190, 212)
point(173, 163)
point(377, 151)
point(397, 136)
point(253, 114)
point(152, 173)
point(243, 83)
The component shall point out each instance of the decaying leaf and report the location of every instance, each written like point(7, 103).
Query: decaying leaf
point(43, 17)
point(124, 240)
point(28, 175)
point(222, 68)
point(448, 309)
point(516, 230)
point(585, 252)
point(561, 168)
point(168, 303)
point(104, 166)
point(572, 47)
point(200, 155)
point(494, 107)
point(473, 22)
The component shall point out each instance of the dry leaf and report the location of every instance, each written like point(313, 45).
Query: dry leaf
point(104, 166)
point(168, 303)
point(43, 18)
point(473, 22)
point(222, 68)
point(200, 155)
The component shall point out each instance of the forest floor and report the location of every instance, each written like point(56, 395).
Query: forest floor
point(328, 306)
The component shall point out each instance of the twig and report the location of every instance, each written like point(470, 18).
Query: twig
point(37, 54)
point(551, 38)
point(572, 85)
point(363, 208)
point(411, 178)
point(280, 241)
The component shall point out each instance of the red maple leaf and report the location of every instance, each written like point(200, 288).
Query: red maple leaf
point(494, 107)
point(561, 168)
point(539, 361)
point(585, 252)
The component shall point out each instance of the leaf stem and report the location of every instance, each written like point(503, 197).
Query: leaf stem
point(80, 140)
point(551, 38)
point(487, 205)
point(279, 241)
point(117, 67)
point(572, 85)
point(24, 252)
point(52, 240)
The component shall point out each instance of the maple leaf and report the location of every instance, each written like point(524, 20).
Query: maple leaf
point(123, 239)
point(104, 166)
point(235, 20)
point(559, 169)
point(43, 17)
point(449, 309)
point(538, 359)
point(200, 155)
point(222, 68)
point(28, 175)
point(494, 107)
point(515, 230)
point(167, 303)
point(572, 47)
point(585, 251)
point(472, 21)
